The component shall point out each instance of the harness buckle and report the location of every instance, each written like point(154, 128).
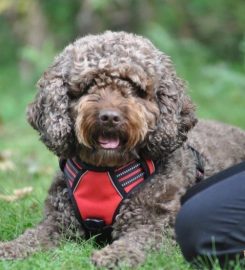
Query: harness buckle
point(94, 225)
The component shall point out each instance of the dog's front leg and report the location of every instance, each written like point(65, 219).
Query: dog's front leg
point(137, 231)
point(59, 223)
point(130, 249)
point(143, 223)
point(31, 241)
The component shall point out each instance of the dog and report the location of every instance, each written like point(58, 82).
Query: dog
point(113, 110)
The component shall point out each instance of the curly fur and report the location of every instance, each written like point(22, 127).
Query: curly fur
point(126, 73)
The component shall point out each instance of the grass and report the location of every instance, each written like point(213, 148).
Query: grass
point(217, 90)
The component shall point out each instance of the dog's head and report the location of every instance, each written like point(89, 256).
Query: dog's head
point(110, 98)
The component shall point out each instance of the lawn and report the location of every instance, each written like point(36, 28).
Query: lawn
point(218, 91)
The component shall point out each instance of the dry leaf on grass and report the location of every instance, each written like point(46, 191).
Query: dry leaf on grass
point(6, 164)
point(17, 194)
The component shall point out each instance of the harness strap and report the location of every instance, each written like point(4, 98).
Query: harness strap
point(94, 188)
point(124, 178)
point(199, 164)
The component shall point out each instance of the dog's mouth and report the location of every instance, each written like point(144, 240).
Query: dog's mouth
point(110, 139)
point(109, 143)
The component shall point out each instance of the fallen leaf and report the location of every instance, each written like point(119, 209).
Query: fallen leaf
point(7, 198)
point(22, 191)
point(17, 194)
point(6, 164)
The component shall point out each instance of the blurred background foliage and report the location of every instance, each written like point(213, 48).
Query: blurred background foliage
point(206, 40)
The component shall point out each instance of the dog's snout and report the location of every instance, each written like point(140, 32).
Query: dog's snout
point(110, 116)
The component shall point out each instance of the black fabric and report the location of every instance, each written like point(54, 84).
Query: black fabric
point(90, 167)
point(62, 163)
point(212, 180)
point(211, 221)
point(146, 168)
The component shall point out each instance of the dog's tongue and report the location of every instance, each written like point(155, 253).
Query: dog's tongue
point(109, 143)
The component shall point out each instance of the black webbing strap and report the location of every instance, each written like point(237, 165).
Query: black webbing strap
point(199, 164)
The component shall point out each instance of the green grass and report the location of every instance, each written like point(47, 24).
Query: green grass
point(218, 91)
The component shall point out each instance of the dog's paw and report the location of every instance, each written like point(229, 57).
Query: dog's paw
point(8, 251)
point(116, 255)
point(16, 249)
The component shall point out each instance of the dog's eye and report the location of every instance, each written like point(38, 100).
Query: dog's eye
point(140, 92)
point(137, 90)
point(73, 95)
point(87, 87)
point(77, 92)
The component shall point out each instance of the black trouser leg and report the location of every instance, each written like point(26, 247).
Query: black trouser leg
point(212, 221)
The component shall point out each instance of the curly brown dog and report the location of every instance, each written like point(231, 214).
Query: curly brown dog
point(112, 108)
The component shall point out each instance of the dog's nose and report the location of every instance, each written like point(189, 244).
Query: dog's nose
point(110, 117)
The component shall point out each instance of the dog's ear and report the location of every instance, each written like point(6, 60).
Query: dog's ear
point(179, 103)
point(49, 113)
point(177, 112)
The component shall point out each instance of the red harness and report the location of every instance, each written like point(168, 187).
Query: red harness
point(97, 192)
